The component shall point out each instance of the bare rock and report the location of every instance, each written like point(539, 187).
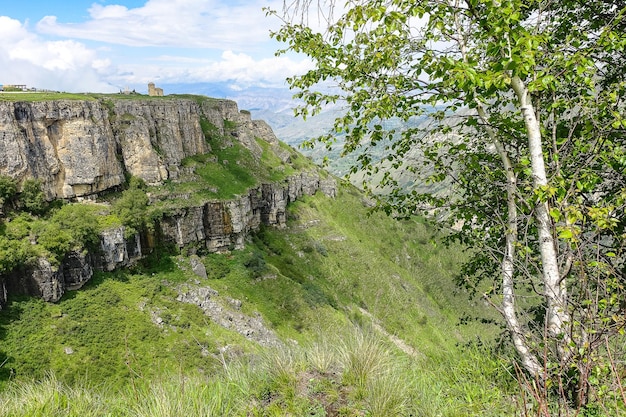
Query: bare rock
point(67, 144)
point(3, 293)
point(116, 250)
point(155, 136)
point(41, 279)
point(198, 267)
point(184, 226)
point(79, 148)
point(77, 269)
point(252, 328)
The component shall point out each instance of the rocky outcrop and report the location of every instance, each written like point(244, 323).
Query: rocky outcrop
point(238, 124)
point(79, 148)
point(82, 148)
point(3, 292)
point(218, 225)
point(118, 251)
point(225, 225)
point(68, 145)
point(77, 269)
point(155, 136)
point(49, 282)
point(252, 328)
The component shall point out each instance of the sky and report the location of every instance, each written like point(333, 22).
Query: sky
point(110, 45)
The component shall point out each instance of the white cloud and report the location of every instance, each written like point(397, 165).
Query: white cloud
point(65, 65)
point(204, 26)
point(239, 68)
point(177, 23)
point(244, 69)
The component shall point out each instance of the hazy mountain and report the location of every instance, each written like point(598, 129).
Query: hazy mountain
point(276, 100)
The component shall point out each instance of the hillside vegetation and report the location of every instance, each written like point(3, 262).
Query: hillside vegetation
point(364, 306)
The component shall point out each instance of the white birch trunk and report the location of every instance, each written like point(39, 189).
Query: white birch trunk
point(555, 291)
point(507, 267)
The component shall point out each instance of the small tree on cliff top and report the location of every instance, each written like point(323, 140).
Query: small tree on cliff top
point(527, 133)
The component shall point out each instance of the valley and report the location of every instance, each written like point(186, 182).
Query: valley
point(297, 287)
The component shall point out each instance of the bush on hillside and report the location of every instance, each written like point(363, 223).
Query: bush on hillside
point(32, 197)
point(8, 189)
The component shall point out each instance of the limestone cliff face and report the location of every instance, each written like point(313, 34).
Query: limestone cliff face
point(81, 148)
point(224, 225)
point(155, 136)
point(47, 281)
point(241, 124)
point(68, 145)
point(218, 225)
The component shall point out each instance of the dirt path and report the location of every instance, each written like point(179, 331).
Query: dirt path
point(400, 344)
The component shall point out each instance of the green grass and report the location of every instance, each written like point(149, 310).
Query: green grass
point(109, 327)
point(46, 96)
point(365, 378)
point(365, 305)
point(276, 168)
point(320, 270)
point(34, 96)
point(197, 98)
point(231, 174)
point(230, 170)
point(334, 286)
point(227, 172)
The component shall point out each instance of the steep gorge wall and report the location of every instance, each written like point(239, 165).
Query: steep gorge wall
point(68, 145)
point(217, 225)
point(81, 148)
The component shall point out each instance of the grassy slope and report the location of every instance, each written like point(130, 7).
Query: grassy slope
point(333, 260)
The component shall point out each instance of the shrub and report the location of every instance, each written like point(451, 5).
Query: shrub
point(8, 189)
point(14, 253)
point(136, 183)
point(56, 241)
point(32, 197)
point(132, 209)
point(256, 264)
point(81, 223)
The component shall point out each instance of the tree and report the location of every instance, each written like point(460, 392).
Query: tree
point(8, 189)
point(32, 197)
point(525, 132)
point(132, 208)
point(80, 221)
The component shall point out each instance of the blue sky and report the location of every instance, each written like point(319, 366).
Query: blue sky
point(108, 45)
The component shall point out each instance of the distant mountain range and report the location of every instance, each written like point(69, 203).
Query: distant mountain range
point(277, 100)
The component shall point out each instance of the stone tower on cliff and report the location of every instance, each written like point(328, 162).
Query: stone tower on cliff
point(154, 91)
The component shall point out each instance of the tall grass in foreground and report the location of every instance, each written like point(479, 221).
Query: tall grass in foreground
point(49, 398)
point(357, 374)
point(354, 373)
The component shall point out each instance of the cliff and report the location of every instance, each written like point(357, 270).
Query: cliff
point(79, 149)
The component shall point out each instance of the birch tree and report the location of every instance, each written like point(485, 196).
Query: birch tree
point(523, 150)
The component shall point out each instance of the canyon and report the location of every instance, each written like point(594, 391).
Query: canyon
point(80, 150)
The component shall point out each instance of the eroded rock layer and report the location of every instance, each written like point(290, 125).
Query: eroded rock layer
point(78, 149)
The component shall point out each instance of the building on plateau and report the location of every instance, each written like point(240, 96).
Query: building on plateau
point(13, 87)
point(154, 91)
